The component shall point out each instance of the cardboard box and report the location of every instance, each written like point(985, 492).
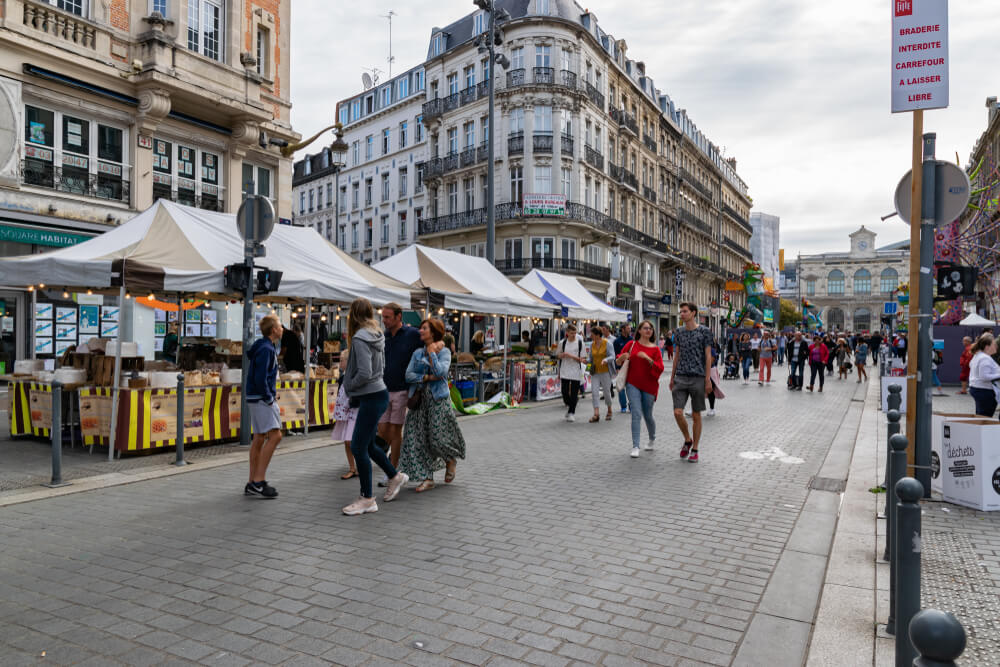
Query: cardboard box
point(970, 463)
point(937, 428)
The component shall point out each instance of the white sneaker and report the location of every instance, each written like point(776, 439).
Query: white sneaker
point(650, 444)
point(711, 413)
point(395, 485)
point(571, 418)
point(687, 412)
point(635, 453)
point(566, 416)
point(361, 506)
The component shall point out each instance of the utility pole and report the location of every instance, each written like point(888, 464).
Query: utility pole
point(391, 58)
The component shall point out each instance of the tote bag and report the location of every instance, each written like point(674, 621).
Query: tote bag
point(620, 379)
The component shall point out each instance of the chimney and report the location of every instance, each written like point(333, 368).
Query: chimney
point(991, 104)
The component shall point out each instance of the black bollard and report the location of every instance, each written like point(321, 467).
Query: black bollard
point(938, 637)
point(893, 401)
point(893, 417)
point(909, 491)
point(57, 479)
point(179, 448)
point(897, 471)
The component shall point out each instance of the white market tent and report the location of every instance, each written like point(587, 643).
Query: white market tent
point(170, 248)
point(466, 282)
point(975, 320)
point(568, 293)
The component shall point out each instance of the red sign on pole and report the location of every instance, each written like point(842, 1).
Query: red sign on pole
point(904, 7)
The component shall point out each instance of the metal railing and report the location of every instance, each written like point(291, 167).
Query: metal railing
point(696, 222)
point(689, 177)
point(576, 267)
point(515, 143)
point(593, 157)
point(595, 95)
point(543, 75)
point(566, 144)
point(649, 193)
point(483, 152)
point(625, 120)
point(650, 142)
point(541, 143)
point(732, 213)
point(623, 176)
point(568, 79)
point(468, 96)
point(467, 157)
point(515, 78)
point(45, 175)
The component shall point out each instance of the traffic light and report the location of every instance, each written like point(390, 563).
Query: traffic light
point(955, 281)
point(267, 281)
point(236, 277)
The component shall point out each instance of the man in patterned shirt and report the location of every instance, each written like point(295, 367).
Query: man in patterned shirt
point(690, 376)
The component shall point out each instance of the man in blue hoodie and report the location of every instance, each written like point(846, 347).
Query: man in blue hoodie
point(265, 417)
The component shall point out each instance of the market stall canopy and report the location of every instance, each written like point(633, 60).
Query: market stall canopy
point(567, 292)
point(174, 248)
point(975, 320)
point(466, 282)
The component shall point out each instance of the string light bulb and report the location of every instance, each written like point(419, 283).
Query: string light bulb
point(31, 288)
point(65, 295)
point(41, 285)
point(127, 295)
point(89, 292)
point(151, 296)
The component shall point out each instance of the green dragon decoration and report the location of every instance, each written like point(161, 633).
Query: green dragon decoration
point(753, 285)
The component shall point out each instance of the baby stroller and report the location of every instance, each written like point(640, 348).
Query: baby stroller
point(732, 369)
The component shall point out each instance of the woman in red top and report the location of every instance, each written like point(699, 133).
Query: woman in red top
point(819, 354)
point(642, 383)
point(964, 363)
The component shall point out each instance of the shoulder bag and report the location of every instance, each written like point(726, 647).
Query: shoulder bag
point(622, 377)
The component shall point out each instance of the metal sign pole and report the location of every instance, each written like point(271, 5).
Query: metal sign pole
point(922, 434)
point(249, 248)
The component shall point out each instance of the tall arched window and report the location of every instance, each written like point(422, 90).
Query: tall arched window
point(835, 282)
point(862, 281)
point(862, 319)
point(889, 280)
point(834, 319)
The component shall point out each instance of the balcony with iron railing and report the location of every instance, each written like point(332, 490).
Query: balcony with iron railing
point(520, 265)
point(568, 79)
point(595, 95)
point(649, 141)
point(566, 144)
point(593, 158)
point(625, 120)
point(516, 77)
point(432, 109)
point(696, 222)
point(468, 95)
point(450, 162)
point(482, 152)
point(735, 247)
point(734, 214)
point(467, 157)
point(574, 212)
point(691, 180)
point(649, 193)
point(623, 176)
point(545, 76)
point(515, 143)
point(541, 142)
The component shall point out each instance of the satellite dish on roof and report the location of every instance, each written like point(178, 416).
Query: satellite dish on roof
point(366, 80)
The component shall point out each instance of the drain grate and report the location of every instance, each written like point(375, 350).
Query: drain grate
point(828, 484)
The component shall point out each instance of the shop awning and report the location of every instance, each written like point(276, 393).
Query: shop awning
point(170, 248)
point(465, 282)
point(567, 292)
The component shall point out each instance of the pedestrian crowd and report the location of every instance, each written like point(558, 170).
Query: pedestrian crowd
point(394, 405)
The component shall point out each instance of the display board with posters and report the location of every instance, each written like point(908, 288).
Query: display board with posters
point(40, 408)
point(95, 414)
point(291, 401)
point(548, 383)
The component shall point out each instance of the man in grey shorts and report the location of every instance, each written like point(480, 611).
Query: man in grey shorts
point(689, 377)
point(265, 416)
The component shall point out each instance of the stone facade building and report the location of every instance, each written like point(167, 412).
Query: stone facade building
point(378, 191)
point(849, 288)
point(109, 105)
point(597, 173)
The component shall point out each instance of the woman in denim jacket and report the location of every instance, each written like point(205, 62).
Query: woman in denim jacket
point(431, 437)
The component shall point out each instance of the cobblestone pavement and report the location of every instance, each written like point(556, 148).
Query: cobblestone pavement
point(961, 562)
point(552, 547)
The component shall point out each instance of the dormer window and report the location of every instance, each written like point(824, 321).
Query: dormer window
point(480, 23)
point(437, 44)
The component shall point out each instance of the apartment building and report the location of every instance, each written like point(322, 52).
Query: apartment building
point(597, 173)
point(976, 226)
point(370, 206)
point(109, 105)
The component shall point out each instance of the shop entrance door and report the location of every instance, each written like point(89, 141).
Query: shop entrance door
point(13, 329)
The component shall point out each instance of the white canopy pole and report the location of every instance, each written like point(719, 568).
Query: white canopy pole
point(118, 373)
point(309, 311)
point(506, 343)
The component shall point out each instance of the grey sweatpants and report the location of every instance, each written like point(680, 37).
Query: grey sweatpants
point(600, 381)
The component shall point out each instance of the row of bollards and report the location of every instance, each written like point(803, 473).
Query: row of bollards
point(928, 638)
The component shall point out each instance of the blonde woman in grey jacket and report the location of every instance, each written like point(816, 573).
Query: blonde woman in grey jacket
point(366, 390)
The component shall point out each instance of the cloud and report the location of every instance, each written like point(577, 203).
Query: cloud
point(797, 91)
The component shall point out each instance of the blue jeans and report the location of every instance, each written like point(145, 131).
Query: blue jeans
point(623, 399)
point(636, 398)
point(781, 354)
point(363, 440)
point(796, 370)
point(746, 361)
point(935, 378)
point(986, 401)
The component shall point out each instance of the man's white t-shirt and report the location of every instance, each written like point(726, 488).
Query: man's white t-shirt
point(571, 369)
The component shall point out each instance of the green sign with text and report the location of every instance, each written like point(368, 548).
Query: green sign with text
point(40, 236)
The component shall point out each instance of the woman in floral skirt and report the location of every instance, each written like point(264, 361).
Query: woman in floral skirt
point(431, 437)
point(344, 417)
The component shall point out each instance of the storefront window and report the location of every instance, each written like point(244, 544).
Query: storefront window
point(162, 169)
point(210, 182)
point(73, 154)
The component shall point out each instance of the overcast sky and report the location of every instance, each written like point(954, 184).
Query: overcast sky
point(796, 90)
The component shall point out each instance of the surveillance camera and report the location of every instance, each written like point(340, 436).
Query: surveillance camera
point(136, 65)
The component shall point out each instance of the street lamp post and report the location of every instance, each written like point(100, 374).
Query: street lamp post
point(493, 38)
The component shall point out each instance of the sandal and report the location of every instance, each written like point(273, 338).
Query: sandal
point(425, 485)
point(607, 417)
point(595, 419)
point(349, 474)
point(449, 472)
